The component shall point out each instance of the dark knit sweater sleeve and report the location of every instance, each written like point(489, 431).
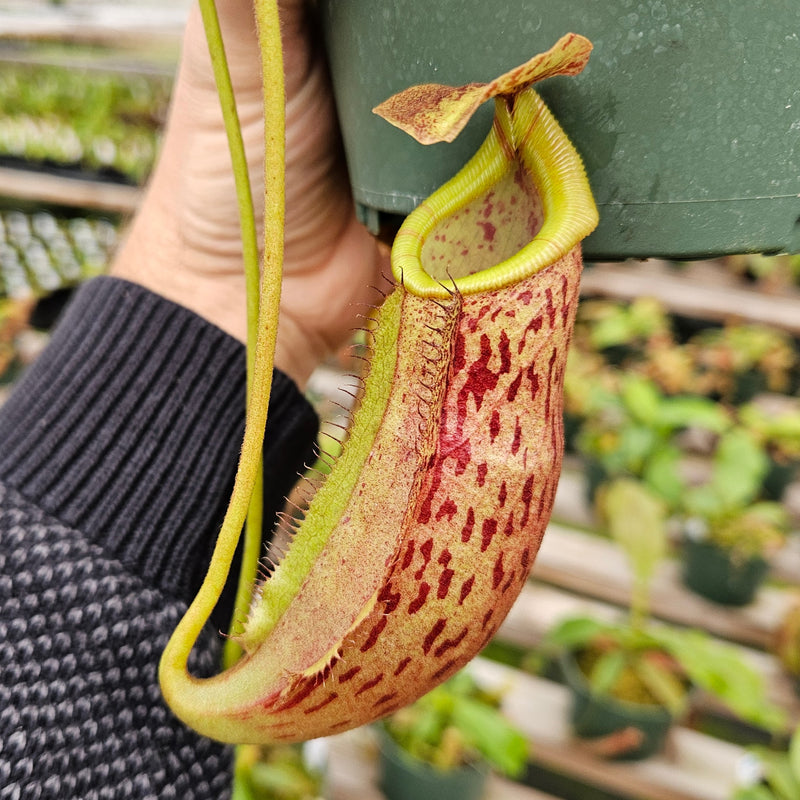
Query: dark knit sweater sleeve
point(117, 453)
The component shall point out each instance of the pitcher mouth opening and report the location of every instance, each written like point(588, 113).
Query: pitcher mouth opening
point(521, 203)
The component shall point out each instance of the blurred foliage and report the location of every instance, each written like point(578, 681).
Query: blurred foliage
point(457, 723)
point(87, 118)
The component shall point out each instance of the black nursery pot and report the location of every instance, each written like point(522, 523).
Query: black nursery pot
point(779, 475)
point(711, 572)
point(594, 716)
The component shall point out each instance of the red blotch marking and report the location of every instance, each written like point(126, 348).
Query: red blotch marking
point(527, 497)
point(462, 454)
point(445, 670)
point(525, 559)
point(551, 309)
point(433, 634)
point(534, 379)
point(365, 687)
point(488, 530)
point(385, 699)
point(374, 634)
point(564, 299)
point(447, 509)
point(426, 508)
point(548, 496)
point(409, 555)
point(305, 689)
point(466, 588)
point(402, 665)
point(390, 599)
point(504, 346)
point(551, 366)
point(494, 425)
point(486, 617)
point(482, 470)
point(444, 583)
point(502, 494)
point(534, 325)
point(450, 644)
point(498, 572)
point(508, 583)
point(349, 675)
point(525, 297)
point(487, 638)
point(329, 699)
point(509, 528)
point(426, 548)
point(447, 575)
point(489, 231)
point(469, 525)
point(419, 601)
point(341, 724)
point(515, 445)
point(472, 322)
point(480, 379)
point(514, 388)
point(459, 352)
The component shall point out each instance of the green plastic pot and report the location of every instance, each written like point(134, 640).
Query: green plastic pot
point(595, 716)
point(711, 572)
point(687, 116)
point(404, 777)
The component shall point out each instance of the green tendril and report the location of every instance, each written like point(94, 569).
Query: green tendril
point(262, 328)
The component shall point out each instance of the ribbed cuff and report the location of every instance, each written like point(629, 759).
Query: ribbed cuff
point(128, 428)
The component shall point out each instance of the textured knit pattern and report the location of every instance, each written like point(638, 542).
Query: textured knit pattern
point(81, 714)
point(117, 454)
point(129, 425)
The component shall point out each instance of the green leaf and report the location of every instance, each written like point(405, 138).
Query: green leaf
point(574, 633)
point(754, 793)
point(794, 754)
point(696, 412)
point(642, 399)
point(720, 670)
point(492, 735)
point(663, 475)
point(606, 671)
point(782, 781)
point(637, 522)
point(739, 467)
point(664, 685)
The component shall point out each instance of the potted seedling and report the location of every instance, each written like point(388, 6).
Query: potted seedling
point(445, 743)
point(631, 679)
point(775, 421)
point(776, 775)
point(589, 387)
point(634, 434)
point(737, 362)
point(621, 332)
point(728, 535)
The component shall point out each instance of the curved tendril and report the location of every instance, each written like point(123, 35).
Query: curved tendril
point(176, 654)
point(247, 223)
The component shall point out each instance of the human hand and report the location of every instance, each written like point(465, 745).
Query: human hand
point(185, 243)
